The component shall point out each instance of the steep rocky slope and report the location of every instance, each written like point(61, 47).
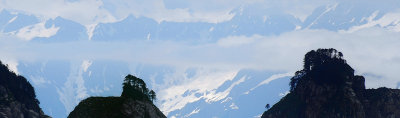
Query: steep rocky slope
point(327, 87)
point(17, 96)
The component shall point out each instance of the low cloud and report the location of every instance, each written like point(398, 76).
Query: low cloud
point(373, 50)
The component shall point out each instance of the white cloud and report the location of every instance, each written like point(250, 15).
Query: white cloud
point(233, 41)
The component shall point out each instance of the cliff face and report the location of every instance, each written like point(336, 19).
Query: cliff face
point(115, 107)
point(17, 96)
point(327, 87)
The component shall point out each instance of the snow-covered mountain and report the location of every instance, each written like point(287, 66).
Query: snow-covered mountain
point(353, 14)
point(67, 30)
point(236, 97)
point(233, 91)
point(182, 92)
point(246, 22)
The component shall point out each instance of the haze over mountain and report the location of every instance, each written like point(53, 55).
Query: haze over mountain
point(198, 59)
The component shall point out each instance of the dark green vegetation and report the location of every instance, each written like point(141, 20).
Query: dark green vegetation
point(99, 107)
point(328, 88)
point(136, 101)
point(324, 66)
point(17, 96)
point(136, 89)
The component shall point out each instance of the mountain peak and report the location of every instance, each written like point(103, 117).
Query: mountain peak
point(136, 101)
point(323, 66)
point(319, 57)
point(327, 87)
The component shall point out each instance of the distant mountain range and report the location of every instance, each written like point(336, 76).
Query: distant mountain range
point(72, 81)
point(247, 21)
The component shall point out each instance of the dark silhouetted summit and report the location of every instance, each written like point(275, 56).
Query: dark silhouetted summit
point(136, 101)
point(17, 96)
point(328, 88)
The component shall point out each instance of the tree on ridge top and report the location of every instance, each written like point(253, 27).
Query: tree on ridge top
point(135, 88)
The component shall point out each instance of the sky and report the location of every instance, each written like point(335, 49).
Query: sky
point(366, 32)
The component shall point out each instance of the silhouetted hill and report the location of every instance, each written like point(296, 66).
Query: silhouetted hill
point(115, 107)
point(328, 88)
point(17, 96)
point(136, 101)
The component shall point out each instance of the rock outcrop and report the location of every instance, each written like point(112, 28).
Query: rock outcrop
point(136, 101)
point(17, 96)
point(115, 107)
point(328, 88)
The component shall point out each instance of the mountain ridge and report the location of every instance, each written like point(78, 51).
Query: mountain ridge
point(247, 21)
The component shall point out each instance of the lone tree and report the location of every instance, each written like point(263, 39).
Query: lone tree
point(267, 106)
point(152, 95)
point(135, 88)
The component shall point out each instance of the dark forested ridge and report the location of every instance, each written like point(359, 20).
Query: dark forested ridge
point(328, 88)
point(17, 96)
point(136, 101)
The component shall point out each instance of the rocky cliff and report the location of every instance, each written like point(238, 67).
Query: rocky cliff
point(328, 88)
point(136, 101)
point(115, 107)
point(17, 96)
